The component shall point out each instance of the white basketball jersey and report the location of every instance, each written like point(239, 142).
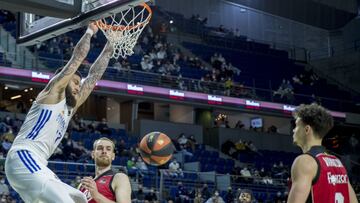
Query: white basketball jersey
point(43, 128)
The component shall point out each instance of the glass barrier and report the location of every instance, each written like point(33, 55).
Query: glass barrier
point(250, 90)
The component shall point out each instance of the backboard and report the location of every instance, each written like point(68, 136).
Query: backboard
point(42, 25)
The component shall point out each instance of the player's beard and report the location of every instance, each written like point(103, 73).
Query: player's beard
point(70, 99)
point(102, 162)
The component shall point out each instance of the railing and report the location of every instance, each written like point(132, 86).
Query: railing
point(228, 40)
point(335, 50)
point(194, 181)
point(294, 52)
point(250, 90)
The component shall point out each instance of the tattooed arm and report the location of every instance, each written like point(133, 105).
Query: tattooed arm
point(95, 73)
point(54, 91)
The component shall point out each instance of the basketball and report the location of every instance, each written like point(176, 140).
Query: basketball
point(156, 148)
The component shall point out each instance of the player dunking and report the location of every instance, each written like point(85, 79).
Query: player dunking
point(107, 186)
point(317, 176)
point(45, 125)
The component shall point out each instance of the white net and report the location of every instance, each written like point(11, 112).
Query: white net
point(123, 29)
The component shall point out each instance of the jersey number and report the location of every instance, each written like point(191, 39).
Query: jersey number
point(59, 135)
point(339, 198)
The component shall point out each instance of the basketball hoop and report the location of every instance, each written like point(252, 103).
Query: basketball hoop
point(123, 29)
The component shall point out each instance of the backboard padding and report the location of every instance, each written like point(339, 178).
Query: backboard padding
point(31, 33)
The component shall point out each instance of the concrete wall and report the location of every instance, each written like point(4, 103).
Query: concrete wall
point(113, 110)
point(181, 113)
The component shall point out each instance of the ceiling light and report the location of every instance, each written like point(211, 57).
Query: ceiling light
point(26, 90)
point(6, 87)
point(16, 97)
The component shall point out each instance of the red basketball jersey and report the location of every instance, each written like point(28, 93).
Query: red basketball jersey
point(331, 182)
point(103, 183)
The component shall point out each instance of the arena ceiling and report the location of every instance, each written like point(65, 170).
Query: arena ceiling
point(326, 14)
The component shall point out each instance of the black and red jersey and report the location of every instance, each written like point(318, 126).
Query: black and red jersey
point(103, 183)
point(331, 181)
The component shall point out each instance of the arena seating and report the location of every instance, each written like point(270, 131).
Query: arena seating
point(245, 55)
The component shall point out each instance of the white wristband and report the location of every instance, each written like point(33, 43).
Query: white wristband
point(90, 31)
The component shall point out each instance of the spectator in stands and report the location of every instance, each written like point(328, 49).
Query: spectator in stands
point(6, 198)
point(182, 140)
point(216, 198)
point(138, 49)
point(274, 169)
point(151, 196)
point(58, 153)
point(181, 193)
point(121, 147)
point(237, 33)
point(245, 196)
point(3, 127)
point(240, 146)
point(139, 195)
point(76, 182)
point(239, 125)
point(116, 67)
point(262, 172)
point(175, 169)
point(102, 127)
point(73, 124)
point(198, 19)
point(316, 99)
point(272, 129)
point(205, 191)
point(130, 164)
point(9, 135)
point(161, 54)
point(281, 90)
point(71, 149)
point(17, 124)
point(267, 180)
point(257, 178)
point(8, 120)
point(198, 197)
point(6, 144)
point(181, 82)
point(296, 80)
point(133, 168)
point(221, 28)
point(140, 164)
point(146, 63)
point(246, 175)
point(228, 86)
point(253, 148)
point(4, 188)
point(92, 127)
point(280, 197)
point(228, 147)
point(81, 124)
point(192, 142)
point(229, 195)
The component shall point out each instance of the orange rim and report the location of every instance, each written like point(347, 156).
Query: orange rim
point(105, 26)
